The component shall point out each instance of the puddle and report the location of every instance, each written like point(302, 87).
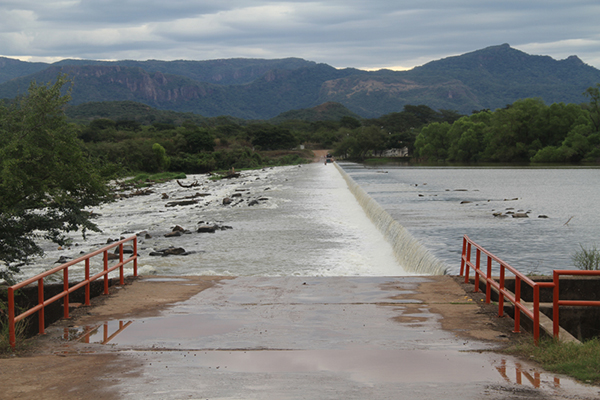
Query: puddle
point(433, 372)
point(138, 331)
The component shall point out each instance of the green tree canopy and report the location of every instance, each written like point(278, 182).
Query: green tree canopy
point(46, 181)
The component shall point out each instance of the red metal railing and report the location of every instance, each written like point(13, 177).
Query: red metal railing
point(556, 302)
point(466, 264)
point(503, 293)
point(42, 303)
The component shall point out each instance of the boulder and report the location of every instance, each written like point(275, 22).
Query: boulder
point(207, 229)
point(171, 251)
point(181, 203)
point(520, 215)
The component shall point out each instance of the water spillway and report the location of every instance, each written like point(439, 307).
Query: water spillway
point(410, 253)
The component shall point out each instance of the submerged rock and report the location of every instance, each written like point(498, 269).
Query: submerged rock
point(181, 203)
point(520, 215)
point(171, 251)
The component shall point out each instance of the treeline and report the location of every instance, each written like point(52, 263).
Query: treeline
point(525, 131)
point(128, 146)
point(198, 146)
point(522, 132)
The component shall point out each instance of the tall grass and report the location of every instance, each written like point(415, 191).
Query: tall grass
point(20, 329)
point(578, 360)
point(587, 259)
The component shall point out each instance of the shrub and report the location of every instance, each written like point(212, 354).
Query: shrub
point(587, 259)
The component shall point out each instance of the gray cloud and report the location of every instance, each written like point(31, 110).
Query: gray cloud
point(351, 33)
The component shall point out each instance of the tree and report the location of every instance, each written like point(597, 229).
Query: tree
point(46, 181)
point(162, 160)
point(269, 137)
point(433, 142)
point(197, 139)
point(594, 95)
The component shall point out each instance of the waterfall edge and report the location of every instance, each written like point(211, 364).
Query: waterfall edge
point(409, 252)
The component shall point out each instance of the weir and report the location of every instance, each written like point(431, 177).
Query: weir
point(409, 252)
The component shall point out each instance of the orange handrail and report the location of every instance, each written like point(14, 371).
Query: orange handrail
point(503, 293)
point(515, 298)
point(42, 303)
point(556, 302)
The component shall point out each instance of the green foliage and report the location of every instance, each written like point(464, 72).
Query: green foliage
point(161, 157)
point(143, 179)
point(269, 137)
point(525, 131)
point(578, 360)
point(197, 139)
point(587, 259)
point(46, 180)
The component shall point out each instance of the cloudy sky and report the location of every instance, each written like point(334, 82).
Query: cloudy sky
point(371, 34)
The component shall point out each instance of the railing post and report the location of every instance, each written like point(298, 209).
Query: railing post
point(135, 264)
point(462, 258)
point(105, 271)
point(517, 304)
point(66, 289)
point(121, 277)
point(468, 262)
point(555, 296)
point(12, 337)
point(41, 318)
point(536, 314)
point(488, 287)
point(477, 269)
point(87, 278)
point(501, 292)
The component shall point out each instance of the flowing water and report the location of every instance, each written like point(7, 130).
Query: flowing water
point(352, 220)
point(306, 223)
point(440, 205)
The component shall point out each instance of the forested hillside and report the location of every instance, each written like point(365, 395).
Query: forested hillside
point(489, 78)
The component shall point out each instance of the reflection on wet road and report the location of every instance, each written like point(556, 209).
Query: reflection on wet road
point(310, 337)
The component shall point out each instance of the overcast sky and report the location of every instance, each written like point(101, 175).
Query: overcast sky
point(371, 34)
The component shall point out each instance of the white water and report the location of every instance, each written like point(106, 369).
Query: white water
point(409, 252)
point(309, 224)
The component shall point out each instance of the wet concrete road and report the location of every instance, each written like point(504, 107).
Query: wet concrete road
point(317, 338)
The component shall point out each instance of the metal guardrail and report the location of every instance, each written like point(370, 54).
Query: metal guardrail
point(42, 303)
point(515, 298)
point(556, 302)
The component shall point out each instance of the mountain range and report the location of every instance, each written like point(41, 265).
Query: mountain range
point(489, 78)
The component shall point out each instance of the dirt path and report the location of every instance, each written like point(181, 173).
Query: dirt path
point(320, 155)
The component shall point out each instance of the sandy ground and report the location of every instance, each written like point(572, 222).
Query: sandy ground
point(50, 368)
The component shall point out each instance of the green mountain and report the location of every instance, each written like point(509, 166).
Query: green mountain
point(262, 89)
